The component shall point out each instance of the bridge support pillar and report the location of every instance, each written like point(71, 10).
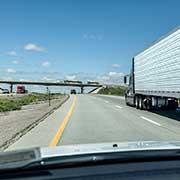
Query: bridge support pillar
point(11, 88)
point(82, 89)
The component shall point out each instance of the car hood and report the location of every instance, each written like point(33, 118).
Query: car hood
point(87, 152)
point(107, 148)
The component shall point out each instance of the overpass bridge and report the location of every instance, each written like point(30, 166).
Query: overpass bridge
point(72, 84)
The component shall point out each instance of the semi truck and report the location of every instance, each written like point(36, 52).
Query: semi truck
point(93, 82)
point(72, 82)
point(154, 80)
point(21, 89)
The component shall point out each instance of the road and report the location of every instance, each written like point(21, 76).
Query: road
point(95, 119)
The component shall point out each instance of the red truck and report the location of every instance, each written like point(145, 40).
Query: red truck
point(21, 90)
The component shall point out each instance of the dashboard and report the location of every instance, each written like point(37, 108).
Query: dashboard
point(136, 170)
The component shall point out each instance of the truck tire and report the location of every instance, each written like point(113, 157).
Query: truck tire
point(137, 102)
point(172, 105)
point(149, 104)
point(176, 105)
point(141, 105)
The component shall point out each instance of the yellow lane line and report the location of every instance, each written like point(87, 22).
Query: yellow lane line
point(63, 125)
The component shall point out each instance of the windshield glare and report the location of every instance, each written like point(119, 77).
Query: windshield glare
point(89, 74)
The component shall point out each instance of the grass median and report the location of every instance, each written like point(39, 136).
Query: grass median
point(117, 91)
point(17, 103)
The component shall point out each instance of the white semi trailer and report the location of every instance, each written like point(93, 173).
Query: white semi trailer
point(154, 80)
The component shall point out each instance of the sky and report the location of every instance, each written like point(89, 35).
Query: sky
point(49, 40)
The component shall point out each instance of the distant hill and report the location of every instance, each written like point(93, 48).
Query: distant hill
point(113, 90)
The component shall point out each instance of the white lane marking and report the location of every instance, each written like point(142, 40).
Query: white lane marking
point(119, 107)
point(151, 121)
point(106, 101)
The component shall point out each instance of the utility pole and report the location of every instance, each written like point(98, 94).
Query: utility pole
point(82, 89)
point(49, 95)
point(11, 88)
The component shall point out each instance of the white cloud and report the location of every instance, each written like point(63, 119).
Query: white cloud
point(34, 47)
point(70, 77)
point(51, 72)
point(46, 64)
point(115, 65)
point(10, 71)
point(24, 80)
point(16, 62)
point(47, 79)
point(12, 53)
point(115, 74)
point(91, 36)
point(105, 78)
point(113, 78)
point(7, 78)
point(112, 73)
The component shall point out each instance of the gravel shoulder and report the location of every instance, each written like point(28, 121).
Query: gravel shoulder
point(15, 124)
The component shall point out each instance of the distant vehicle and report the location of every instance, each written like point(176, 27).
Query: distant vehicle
point(70, 81)
point(21, 90)
point(4, 91)
point(154, 81)
point(93, 82)
point(73, 91)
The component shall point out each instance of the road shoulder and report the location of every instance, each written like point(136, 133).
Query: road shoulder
point(43, 133)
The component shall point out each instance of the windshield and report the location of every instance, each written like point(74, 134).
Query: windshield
point(63, 66)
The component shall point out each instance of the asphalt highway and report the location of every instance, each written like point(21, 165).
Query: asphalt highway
point(97, 119)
